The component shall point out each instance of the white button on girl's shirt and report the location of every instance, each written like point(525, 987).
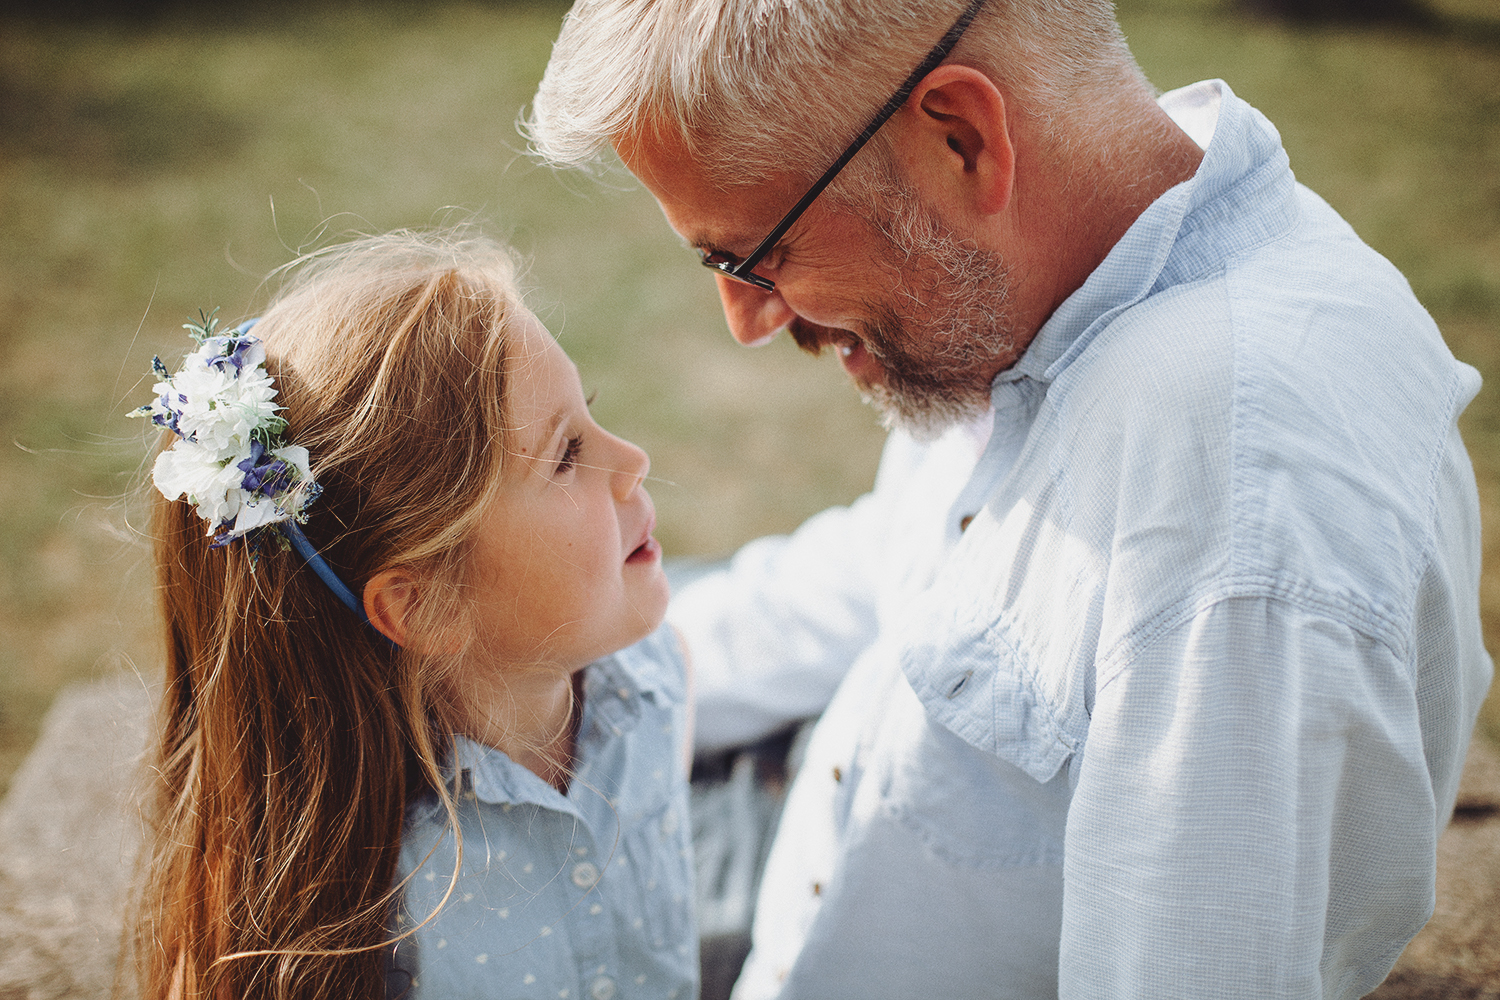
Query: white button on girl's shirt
point(602, 988)
point(585, 875)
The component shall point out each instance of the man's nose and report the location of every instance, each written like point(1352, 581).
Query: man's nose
point(754, 315)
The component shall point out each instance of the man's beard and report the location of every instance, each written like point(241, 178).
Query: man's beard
point(949, 332)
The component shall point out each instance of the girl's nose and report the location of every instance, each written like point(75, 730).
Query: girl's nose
point(754, 315)
point(630, 467)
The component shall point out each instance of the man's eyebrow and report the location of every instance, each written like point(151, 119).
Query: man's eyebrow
point(719, 244)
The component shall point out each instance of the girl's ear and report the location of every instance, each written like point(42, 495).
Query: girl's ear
point(391, 600)
point(391, 597)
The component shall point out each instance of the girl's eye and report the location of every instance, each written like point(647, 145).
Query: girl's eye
point(570, 454)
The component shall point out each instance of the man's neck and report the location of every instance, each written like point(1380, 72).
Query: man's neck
point(1089, 188)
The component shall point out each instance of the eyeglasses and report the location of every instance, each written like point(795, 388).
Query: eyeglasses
point(743, 270)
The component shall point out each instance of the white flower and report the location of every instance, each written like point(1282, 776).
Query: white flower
point(218, 410)
point(228, 459)
point(209, 483)
point(257, 512)
point(296, 456)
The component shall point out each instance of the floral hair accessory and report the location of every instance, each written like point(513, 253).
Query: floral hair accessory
point(230, 459)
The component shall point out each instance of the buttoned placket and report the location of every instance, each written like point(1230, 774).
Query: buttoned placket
point(612, 708)
point(1016, 399)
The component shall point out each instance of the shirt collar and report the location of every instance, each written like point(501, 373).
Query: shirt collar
point(1242, 195)
point(612, 692)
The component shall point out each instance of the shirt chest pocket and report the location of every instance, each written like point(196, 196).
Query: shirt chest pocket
point(968, 806)
point(977, 682)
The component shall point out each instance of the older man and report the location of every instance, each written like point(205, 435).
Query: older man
point(1151, 660)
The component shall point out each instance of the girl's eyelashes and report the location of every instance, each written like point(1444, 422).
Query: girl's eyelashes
point(570, 454)
point(574, 446)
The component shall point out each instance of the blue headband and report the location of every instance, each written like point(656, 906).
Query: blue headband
point(319, 565)
point(293, 533)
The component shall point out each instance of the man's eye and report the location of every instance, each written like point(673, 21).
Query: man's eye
point(714, 258)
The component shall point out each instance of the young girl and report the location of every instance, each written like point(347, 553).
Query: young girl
point(421, 732)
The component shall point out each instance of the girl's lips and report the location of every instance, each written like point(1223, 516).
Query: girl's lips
point(650, 548)
point(647, 551)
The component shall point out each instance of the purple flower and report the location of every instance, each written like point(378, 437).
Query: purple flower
point(167, 419)
point(232, 351)
point(265, 478)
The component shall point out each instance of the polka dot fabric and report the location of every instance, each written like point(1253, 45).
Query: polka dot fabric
point(583, 896)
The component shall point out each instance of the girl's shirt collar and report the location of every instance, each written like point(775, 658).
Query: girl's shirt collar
point(615, 689)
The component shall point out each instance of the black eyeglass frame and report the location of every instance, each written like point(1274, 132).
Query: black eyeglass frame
point(743, 270)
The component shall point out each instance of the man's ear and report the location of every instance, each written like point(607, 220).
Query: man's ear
point(390, 598)
point(957, 145)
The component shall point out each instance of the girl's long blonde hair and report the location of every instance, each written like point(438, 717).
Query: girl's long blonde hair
point(290, 735)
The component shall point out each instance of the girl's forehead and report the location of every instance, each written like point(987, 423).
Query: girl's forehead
point(536, 358)
point(542, 390)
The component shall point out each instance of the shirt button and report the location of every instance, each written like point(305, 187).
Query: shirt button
point(585, 875)
point(965, 521)
point(602, 988)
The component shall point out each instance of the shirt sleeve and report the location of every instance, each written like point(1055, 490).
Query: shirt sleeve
point(1255, 815)
point(772, 633)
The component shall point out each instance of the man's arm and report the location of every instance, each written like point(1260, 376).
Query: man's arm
point(774, 631)
point(1256, 813)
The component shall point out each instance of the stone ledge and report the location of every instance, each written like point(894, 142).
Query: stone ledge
point(69, 832)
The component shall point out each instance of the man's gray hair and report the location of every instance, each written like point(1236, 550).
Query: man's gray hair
point(757, 88)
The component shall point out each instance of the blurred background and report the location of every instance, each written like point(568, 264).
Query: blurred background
point(157, 159)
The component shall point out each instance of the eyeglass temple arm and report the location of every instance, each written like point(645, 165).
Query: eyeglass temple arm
point(938, 54)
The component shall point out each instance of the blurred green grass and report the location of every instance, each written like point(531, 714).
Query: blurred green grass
point(150, 169)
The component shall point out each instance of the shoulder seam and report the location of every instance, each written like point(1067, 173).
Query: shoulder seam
point(1370, 622)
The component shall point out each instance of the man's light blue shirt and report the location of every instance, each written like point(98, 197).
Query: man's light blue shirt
point(1165, 695)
